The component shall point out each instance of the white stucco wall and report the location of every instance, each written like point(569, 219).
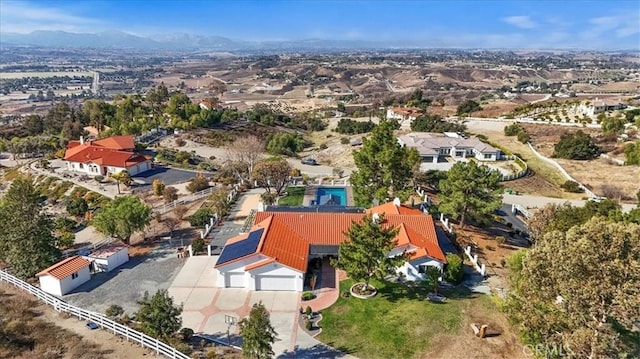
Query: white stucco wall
point(410, 269)
point(277, 269)
point(110, 263)
point(54, 286)
point(237, 267)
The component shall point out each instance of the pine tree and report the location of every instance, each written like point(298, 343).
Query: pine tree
point(160, 318)
point(470, 191)
point(258, 335)
point(385, 168)
point(27, 243)
point(366, 253)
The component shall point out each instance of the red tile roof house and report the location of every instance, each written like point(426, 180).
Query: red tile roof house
point(64, 276)
point(274, 254)
point(105, 156)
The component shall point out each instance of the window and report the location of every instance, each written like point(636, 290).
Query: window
point(487, 156)
point(80, 166)
point(422, 268)
point(74, 275)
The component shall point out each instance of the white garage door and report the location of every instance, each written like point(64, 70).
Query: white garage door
point(234, 280)
point(265, 282)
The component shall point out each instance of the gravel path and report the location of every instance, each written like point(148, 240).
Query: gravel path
point(126, 284)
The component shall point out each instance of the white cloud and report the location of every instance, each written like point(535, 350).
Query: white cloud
point(24, 17)
point(523, 22)
point(621, 25)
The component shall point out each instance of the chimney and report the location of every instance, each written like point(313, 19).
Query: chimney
point(82, 140)
point(375, 218)
point(396, 202)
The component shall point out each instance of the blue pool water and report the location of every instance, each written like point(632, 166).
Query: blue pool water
point(335, 196)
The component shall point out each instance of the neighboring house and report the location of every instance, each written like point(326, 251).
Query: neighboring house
point(105, 156)
point(598, 106)
point(93, 131)
point(275, 253)
point(108, 258)
point(434, 146)
point(207, 104)
point(64, 276)
point(404, 113)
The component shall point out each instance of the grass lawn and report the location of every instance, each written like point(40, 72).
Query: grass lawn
point(293, 198)
point(398, 322)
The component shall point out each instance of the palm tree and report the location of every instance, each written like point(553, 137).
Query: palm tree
point(122, 177)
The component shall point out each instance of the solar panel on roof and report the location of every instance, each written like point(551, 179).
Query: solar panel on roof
point(242, 248)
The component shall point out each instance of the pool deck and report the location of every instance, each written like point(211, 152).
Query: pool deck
point(310, 193)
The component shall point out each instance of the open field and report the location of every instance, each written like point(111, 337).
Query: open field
point(34, 330)
point(400, 323)
point(21, 75)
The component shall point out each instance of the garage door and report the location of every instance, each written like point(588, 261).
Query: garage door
point(265, 282)
point(234, 280)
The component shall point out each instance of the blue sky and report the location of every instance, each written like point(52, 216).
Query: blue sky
point(607, 24)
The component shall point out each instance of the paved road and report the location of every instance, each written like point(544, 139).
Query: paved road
point(529, 201)
point(506, 212)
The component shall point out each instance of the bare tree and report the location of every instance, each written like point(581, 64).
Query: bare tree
point(171, 224)
point(180, 211)
point(243, 154)
point(612, 192)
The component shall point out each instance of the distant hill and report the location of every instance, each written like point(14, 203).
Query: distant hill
point(178, 41)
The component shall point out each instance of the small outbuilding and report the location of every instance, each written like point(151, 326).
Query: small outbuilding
point(108, 258)
point(64, 276)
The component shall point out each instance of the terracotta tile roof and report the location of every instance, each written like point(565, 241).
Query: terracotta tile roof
point(287, 235)
point(65, 268)
point(391, 208)
point(329, 228)
point(259, 264)
point(116, 142)
point(103, 156)
point(284, 245)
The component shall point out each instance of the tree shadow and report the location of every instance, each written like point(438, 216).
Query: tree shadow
point(221, 338)
point(318, 351)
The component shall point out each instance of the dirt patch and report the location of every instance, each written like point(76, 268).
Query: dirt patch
point(37, 331)
point(501, 340)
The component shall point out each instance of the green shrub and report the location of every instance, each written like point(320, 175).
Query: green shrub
point(186, 333)
point(307, 296)
point(114, 311)
point(201, 217)
point(98, 178)
point(455, 269)
point(307, 324)
point(308, 310)
point(198, 183)
point(323, 146)
point(513, 129)
point(576, 146)
point(523, 137)
point(344, 141)
point(197, 245)
point(572, 186)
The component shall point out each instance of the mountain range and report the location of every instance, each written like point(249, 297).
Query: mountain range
point(178, 41)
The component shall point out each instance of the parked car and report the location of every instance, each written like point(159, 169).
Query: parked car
point(309, 161)
point(92, 325)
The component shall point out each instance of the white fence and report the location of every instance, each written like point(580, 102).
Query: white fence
point(515, 208)
point(474, 259)
point(612, 160)
point(209, 226)
point(522, 173)
point(118, 329)
point(184, 200)
point(557, 165)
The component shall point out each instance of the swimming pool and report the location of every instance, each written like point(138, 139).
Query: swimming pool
point(333, 195)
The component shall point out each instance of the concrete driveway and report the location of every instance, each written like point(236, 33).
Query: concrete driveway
point(205, 305)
